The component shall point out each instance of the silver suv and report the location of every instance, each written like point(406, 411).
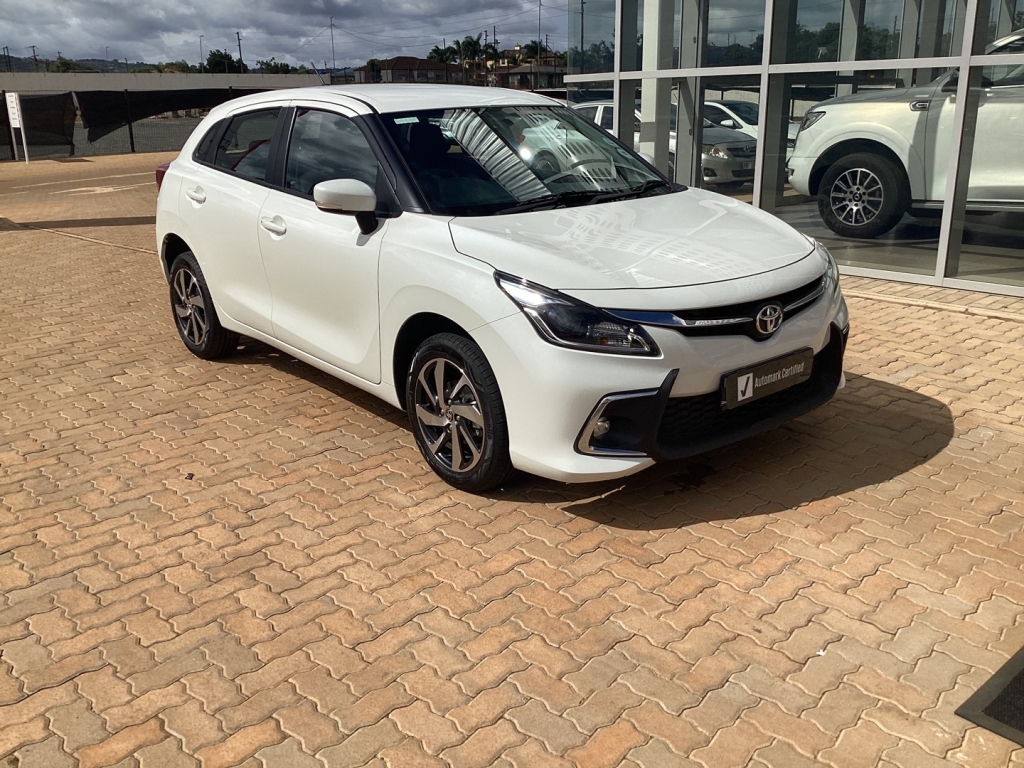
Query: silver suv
point(873, 156)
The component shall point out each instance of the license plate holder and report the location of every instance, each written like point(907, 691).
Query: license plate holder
point(754, 382)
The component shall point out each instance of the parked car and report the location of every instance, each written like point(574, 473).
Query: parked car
point(727, 156)
point(579, 325)
point(743, 116)
point(873, 156)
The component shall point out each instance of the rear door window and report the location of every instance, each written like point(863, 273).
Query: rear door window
point(244, 149)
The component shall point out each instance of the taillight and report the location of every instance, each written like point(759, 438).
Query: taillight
point(160, 171)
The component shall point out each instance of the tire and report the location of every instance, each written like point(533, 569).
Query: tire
point(863, 195)
point(195, 317)
point(546, 165)
point(476, 458)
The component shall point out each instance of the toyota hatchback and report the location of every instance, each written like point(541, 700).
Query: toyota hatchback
point(566, 312)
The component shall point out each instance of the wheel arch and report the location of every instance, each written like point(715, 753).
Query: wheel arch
point(172, 246)
point(414, 331)
point(853, 146)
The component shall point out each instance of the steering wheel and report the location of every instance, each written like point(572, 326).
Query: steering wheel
point(572, 167)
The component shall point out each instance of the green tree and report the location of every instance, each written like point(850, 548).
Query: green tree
point(273, 67)
point(373, 69)
point(220, 62)
point(445, 55)
point(67, 65)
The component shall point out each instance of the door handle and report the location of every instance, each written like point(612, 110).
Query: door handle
point(197, 195)
point(920, 105)
point(274, 225)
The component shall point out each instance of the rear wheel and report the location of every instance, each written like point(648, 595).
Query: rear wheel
point(862, 195)
point(194, 314)
point(457, 415)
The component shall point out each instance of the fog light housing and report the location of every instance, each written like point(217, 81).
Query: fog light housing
point(601, 427)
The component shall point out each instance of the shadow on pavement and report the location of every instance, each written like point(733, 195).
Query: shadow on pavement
point(870, 433)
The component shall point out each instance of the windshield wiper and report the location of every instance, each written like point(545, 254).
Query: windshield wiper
point(557, 200)
point(625, 194)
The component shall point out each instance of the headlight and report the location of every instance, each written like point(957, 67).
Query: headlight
point(713, 151)
point(831, 269)
point(562, 320)
point(810, 118)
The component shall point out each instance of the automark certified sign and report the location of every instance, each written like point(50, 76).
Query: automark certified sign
point(14, 110)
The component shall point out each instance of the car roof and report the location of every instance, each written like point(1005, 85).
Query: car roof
point(407, 97)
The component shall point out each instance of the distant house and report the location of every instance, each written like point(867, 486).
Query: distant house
point(529, 77)
point(410, 69)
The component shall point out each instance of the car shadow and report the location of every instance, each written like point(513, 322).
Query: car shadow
point(870, 433)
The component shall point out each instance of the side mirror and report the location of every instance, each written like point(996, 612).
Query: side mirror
point(950, 85)
point(646, 156)
point(348, 196)
point(729, 123)
point(344, 196)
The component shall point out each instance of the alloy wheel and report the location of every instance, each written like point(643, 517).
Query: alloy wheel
point(449, 415)
point(189, 307)
point(856, 197)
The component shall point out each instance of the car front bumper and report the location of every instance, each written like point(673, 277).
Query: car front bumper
point(670, 405)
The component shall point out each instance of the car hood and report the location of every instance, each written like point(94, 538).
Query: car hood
point(890, 95)
point(686, 238)
point(725, 136)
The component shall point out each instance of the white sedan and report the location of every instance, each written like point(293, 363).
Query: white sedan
point(579, 323)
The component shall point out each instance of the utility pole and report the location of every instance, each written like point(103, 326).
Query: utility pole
point(497, 54)
point(126, 64)
point(35, 58)
point(241, 66)
point(334, 59)
point(582, 54)
point(106, 52)
point(200, 54)
point(444, 47)
point(536, 79)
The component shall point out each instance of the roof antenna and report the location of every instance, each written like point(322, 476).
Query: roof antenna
point(318, 74)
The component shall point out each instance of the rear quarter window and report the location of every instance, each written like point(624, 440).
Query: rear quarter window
point(204, 150)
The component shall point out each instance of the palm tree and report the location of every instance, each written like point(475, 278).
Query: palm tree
point(469, 50)
point(490, 53)
point(444, 55)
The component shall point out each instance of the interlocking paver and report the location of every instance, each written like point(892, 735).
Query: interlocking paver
point(825, 594)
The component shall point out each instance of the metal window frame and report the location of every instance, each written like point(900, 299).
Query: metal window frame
point(965, 60)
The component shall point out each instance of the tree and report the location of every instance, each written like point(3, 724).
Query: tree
point(444, 55)
point(530, 49)
point(67, 65)
point(273, 67)
point(218, 61)
point(373, 69)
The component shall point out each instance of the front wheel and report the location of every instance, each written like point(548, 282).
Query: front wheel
point(457, 415)
point(862, 195)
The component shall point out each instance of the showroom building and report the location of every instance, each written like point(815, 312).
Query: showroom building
point(850, 119)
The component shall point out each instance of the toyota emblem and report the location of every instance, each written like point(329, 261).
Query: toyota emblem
point(768, 319)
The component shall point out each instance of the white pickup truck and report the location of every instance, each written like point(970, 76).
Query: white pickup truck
point(873, 156)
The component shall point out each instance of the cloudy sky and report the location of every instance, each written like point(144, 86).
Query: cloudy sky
point(295, 31)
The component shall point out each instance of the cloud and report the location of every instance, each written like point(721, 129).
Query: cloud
point(295, 31)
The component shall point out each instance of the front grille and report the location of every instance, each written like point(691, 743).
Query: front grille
point(743, 152)
point(691, 425)
point(793, 302)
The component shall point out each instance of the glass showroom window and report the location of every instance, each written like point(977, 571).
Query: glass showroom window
point(863, 134)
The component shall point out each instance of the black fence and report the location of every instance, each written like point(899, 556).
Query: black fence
point(84, 123)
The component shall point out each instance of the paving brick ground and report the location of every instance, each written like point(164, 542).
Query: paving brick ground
point(826, 594)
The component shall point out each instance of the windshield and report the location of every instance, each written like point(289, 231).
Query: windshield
point(747, 112)
point(488, 160)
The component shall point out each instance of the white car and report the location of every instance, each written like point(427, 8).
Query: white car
point(743, 116)
point(578, 326)
point(727, 156)
point(873, 156)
